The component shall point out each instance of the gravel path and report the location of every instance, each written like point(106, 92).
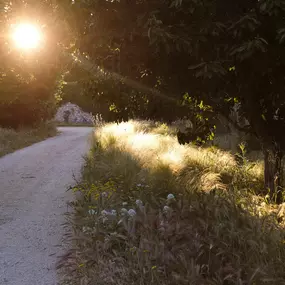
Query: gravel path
point(33, 183)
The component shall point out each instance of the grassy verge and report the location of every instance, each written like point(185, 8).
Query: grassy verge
point(154, 212)
point(11, 140)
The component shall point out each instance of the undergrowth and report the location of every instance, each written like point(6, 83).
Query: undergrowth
point(11, 140)
point(151, 211)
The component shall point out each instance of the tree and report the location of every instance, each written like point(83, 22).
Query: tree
point(220, 52)
point(251, 64)
point(28, 80)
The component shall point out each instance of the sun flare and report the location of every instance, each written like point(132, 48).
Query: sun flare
point(26, 36)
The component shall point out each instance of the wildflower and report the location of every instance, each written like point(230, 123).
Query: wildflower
point(166, 209)
point(124, 211)
point(133, 249)
point(85, 229)
point(104, 194)
point(132, 212)
point(104, 213)
point(139, 203)
point(139, 185)
point(92, 212)
point(170, 197)
point(114, 213)
point(124, 203)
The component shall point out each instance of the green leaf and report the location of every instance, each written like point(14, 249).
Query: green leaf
point(263, 117)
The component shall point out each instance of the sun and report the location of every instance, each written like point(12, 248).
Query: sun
point(26, 36)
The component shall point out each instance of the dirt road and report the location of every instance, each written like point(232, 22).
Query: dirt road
point(33, 184)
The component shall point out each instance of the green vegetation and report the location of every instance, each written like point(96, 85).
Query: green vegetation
point(27, 88)
point(11, 140)
point(151, 211)
point(29, 79)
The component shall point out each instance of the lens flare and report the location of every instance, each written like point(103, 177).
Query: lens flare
point(26, 36)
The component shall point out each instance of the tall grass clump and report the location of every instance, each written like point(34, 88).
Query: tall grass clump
point(151, 211)
point(11, 139)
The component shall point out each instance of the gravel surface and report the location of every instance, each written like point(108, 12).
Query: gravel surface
point(33, 184)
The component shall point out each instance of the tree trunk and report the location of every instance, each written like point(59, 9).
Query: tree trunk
point(279, 177)
point(273, 173)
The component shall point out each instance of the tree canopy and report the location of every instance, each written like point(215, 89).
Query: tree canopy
point(28, 78)
point(165, 59)
point(216, 51)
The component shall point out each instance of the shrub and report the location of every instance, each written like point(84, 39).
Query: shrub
point(28, 105)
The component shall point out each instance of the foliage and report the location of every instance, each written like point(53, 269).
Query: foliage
point(28, 80)
point(24, 103)
point(219, 53)
point(171, 219)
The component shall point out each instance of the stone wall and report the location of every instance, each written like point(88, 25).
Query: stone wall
point(71, 113)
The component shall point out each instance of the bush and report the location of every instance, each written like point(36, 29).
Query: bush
point(27, 88)
point(28, 105)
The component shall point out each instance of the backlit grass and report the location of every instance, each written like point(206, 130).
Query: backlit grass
point(154, 212)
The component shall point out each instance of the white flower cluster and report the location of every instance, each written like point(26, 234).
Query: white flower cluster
point(92, 212)
point(125, 212)
point(166, 209)
point(170, 197)
point(106, 213)
point(142, 185)
point(131, 212)
point(139, 203)
point(86, 229)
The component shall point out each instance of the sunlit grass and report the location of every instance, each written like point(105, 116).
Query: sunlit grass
point(145, 142)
